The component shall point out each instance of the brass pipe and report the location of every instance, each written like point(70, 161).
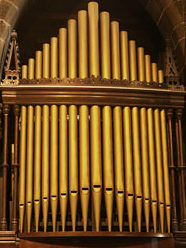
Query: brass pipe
point(132, 56)
point(152, 166)
point(141, 64)
point(73, 163)
point(128, 163)
point(46, 60)
point(24, 71)
point(137, 165)
point(62, 52)
point(83, 43)
point(54, 57)
point(118, 161)
point(145, 165)
point(22, 168)
point(147, 68)
point(54, 164)
point(72, 48)
point(124, 55)
point(38, 64)
point(29, 171)
point(165, 168)
point(93, 15)
point(108, 163)
point(159, 167)
point(96, 162)
point(115, 45)
point(45, 164)
point(154, 73)
point(84, 162)
point(160, 76)
point(31, 68)
point(105, 45)
point(63, 163)
point(37, 165)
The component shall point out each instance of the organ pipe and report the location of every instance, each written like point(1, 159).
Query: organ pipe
point(54, 57)
point(62, 52)
point(24, 71)
point(72, 48)
point(115, 45)
point(141, 64)
point(132, 56)
point(124, 55)
point(154, 73)
point(46, 60)
point(160, 76)
point(147, 68)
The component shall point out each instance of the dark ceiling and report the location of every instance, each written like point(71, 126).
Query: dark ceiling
point(41, 20)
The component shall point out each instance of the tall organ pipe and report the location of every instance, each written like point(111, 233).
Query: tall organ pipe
point(54, 57)
point(154, 73)
point(141, 64)
point(147, 68)
point(124, 55)
point(62, 52)
point(132, 56)
point(115, 45)
point(72, 48)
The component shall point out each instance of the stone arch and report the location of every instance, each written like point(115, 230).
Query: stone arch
point(169, 16)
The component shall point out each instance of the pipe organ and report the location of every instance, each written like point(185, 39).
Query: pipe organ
point(95, 147)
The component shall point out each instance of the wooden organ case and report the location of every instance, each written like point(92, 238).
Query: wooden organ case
point(97, 154)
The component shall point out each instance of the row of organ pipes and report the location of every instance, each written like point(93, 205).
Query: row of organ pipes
point(63, 147)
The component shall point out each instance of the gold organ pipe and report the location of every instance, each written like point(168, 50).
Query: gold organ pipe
point(96, 162)
point(24, 71)
point(22, 168)
point(147, 68)
point(46, 60)
point(159, 167)
point(31, 68)
point(124, 55)
point(154, 73)
point(141, 64)
point(93, 16)
point(165, 167)
point(128, 163)
point(83, 44)
point(118, 157)
point(105, 45)
point(63, 163)
point(38, 64)
point(54, 164)
point(62, 52)
point(54, 57)
point(137, 165)
point(72, 48)
point(108, 163)
point(160, 76)
point(37, 165)
point(115, 50)
point(152, 167)
point(45, 165)
point(84, 162)
point(73, 163)
point(145, 165)
point(132, 55)
point(29, 172)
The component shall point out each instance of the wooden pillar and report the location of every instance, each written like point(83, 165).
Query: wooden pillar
point(181, 170)
point(3, 222)
point(15, 166)
point(172, 170)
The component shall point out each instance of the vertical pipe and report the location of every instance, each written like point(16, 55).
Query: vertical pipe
point(46, 60)
point(147, 68)
point(165, 168)
point(145, 165)
point(141, 64)
point(84, 162)
point(108, 163)
point(54, 164)
point(105, 44)
point(96, 162)
point(63, 163)
point(73, 163)
point(54, 57)
point(115, 45)
point(132, 55)
point(128, 163)
point(137, 165)
point(153, 187)
point(83, 43)
point(154, 73)
point(24, 71)
point(159, 167)
point(72, 48)
point(31, 68)
point(124, 55)
point(38, 64)
point(22, 169)
point(118, 161)
point(160, 76)
point(93, 38)
point(62, 53)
